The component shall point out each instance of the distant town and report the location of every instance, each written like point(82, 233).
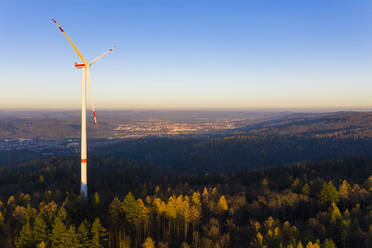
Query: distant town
point(58, 133)
point(127, 130)
point(160, 128)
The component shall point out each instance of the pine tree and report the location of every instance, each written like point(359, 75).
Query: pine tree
point(83, 234)
point(62, 214)
point(99, 234)
point(328, 194)
point(306, 190)
point(97, 199)
point(116, 218)
point(71, 239)
point(59, 233)
point(131, 209)
point(25, 238)
point(296, 185)
point(328, 243)
point(40, 229)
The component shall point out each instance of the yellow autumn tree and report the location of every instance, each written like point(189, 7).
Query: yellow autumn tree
point(214, 191)
point(335, 213)
point(171, 212)
point(41, 245)
point(222, 204)
point(179, 205)
point(160, 209)
point(186, 214)
point(369, 183)
point(195, 198)
point(311, 245)
point(259, 238)
point(171, 209)
point(344, 190)
point(145, 212)
point(195, 213)
point(149, 243)
point(205, 195)
point(159, 206)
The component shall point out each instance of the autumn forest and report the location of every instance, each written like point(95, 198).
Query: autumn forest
point(313, 204)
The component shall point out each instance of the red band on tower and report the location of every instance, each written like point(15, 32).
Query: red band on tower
point(83, 160)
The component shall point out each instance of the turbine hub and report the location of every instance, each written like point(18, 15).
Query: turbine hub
point(79, 66)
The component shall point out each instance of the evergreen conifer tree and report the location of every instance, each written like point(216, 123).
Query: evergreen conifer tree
point(99, 234)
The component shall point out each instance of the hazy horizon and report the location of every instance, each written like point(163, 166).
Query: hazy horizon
point(295, 110)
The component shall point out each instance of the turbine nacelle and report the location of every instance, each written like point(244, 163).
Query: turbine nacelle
point(79, 66)
point(85, 64)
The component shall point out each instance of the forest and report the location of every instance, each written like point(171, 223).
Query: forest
point(237, 152)
point(325, 203)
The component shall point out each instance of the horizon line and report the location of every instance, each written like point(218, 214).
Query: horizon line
point(281, 109)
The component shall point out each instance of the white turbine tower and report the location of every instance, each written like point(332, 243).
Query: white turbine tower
point(86, 78)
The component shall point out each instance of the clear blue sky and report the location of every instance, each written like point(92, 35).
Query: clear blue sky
point(202, 54)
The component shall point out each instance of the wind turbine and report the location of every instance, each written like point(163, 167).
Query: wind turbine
point(85, 66)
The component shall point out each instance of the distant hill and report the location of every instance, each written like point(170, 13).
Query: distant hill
point(293, 138)
point(11, 128)
point(320, 125)
point(66, 124)
point(57, 125)
point(48, 128)
point(270, 141)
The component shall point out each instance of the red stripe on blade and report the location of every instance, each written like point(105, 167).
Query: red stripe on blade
point(60, 29)
point(94, 114)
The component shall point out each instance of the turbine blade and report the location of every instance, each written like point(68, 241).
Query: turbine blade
point(99, 57)
point(91, 95)
point(72, 44)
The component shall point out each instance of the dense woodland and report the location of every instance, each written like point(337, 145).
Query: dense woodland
point(221, 154)
point(224, 154)
point(315, 204)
